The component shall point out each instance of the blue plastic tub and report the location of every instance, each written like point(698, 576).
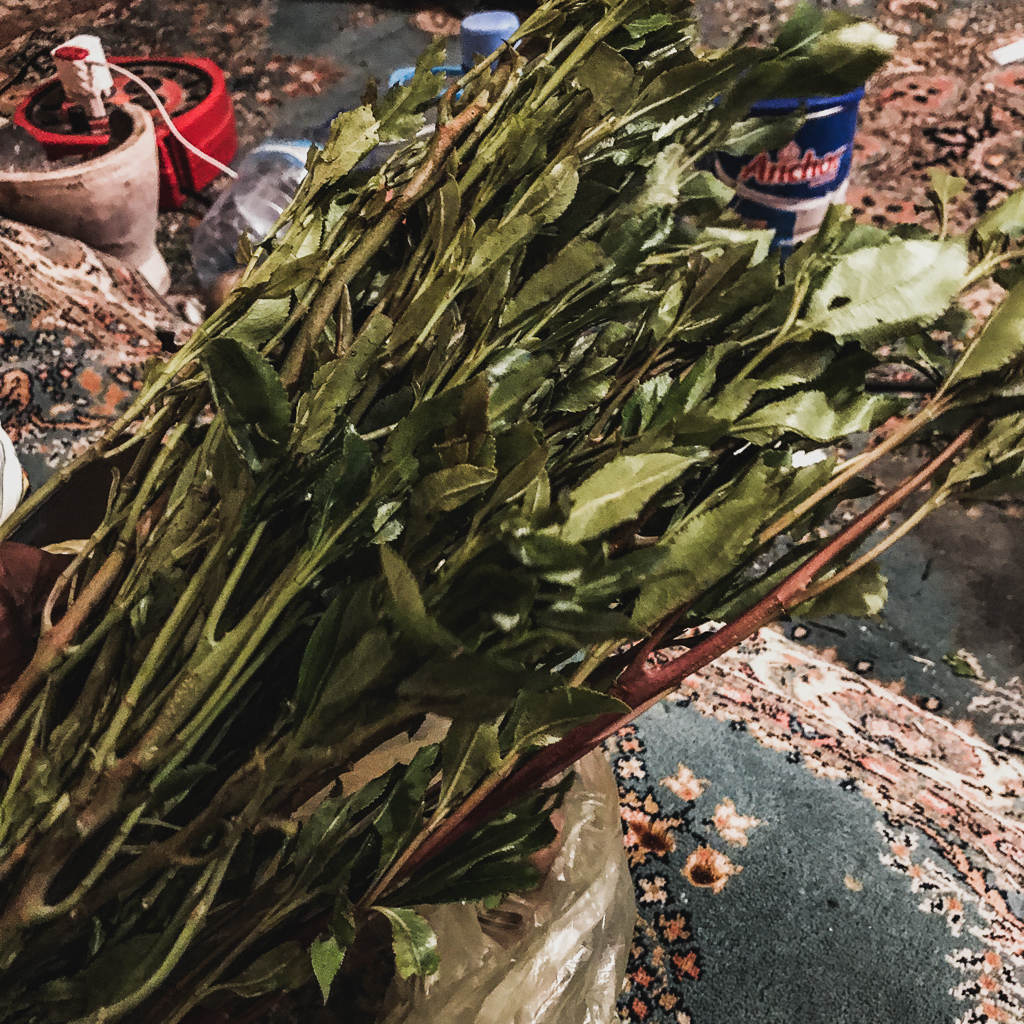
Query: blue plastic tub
point(790, 189)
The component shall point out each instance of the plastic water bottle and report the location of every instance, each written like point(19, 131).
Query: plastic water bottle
point(267, 180)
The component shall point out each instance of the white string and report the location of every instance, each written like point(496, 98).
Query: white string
point(120, 69)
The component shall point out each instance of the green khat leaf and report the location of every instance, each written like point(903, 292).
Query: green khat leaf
point(318, 657)
point(814, 415)
point(353, 136)
point(283, 968)
point(644, 26)
point(551, 192)
point(945, 186)
point(618, 492)
point(495, 240)
point(608, 76)
point(401, 815)
point(1005, 219)
point(1000, 342)
point(447, 489)
point(580, 259)
point(326, 956)
point(251, 396)
point(468, 753)
point(355, 673)
point(639, 410)
point(908, 281)
point(707, 545)
point(758, 134)
point(399, 112)
point(409, 611)
point(542, 718)
point(861, 595)
point(414, 943)
point(801, 28)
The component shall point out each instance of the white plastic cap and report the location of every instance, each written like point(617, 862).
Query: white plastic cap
point(82, 69)
point(12, 484)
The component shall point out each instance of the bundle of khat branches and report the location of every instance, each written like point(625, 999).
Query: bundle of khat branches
point(490, 425)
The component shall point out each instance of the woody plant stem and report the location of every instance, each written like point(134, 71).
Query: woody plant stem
point(642, 684)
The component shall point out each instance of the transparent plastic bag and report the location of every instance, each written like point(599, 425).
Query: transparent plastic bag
point(553, 956)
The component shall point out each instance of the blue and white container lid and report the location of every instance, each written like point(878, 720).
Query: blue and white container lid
point(484, 33)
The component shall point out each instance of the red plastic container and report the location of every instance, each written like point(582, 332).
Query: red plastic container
point(193, 91)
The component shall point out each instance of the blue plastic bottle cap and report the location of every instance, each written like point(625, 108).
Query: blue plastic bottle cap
point(401, 76)
point(483, 33)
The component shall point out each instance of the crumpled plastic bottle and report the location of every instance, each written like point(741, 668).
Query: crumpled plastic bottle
point(267, 180)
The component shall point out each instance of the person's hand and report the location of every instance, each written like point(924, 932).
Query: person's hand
point(27, 575)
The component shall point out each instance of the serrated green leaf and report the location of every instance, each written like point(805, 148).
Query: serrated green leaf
point(904, 282)
point(584, 627)
point(409, 610)
point(447, 489)
point(760, 134)
point(543, 718)
point(326, 956)
point(468, 753)
point(644, 26)
point(706, 545)
point(1000, 342)
point(318, 657)
point(583, 394)
point(1006, 219)
point(944, 185)
point(551, 192)
point(861, 595)
point(608, 76)
point(414, 943)
point(343, 920)
point(251, 396)
point(813, 414)
point(514, 381)
point(618, 492)
point(282, 969)
point(355, 672)
point(353, 135)
point(537, 499)
point(244, 251)
point(801, 28)
point(639, 410)
point(494, 241)
point(401, 814)
point(472, 687)
point(342, 480)
point(580, 259)
point(399, 112)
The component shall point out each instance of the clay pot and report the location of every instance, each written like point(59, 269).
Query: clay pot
point(108, 201)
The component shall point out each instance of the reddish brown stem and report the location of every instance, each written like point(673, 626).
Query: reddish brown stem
point(642, 690)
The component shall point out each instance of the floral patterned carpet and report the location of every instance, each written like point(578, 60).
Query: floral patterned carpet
point(807, 845)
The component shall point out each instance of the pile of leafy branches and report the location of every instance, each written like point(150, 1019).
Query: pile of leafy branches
point(491, 424)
